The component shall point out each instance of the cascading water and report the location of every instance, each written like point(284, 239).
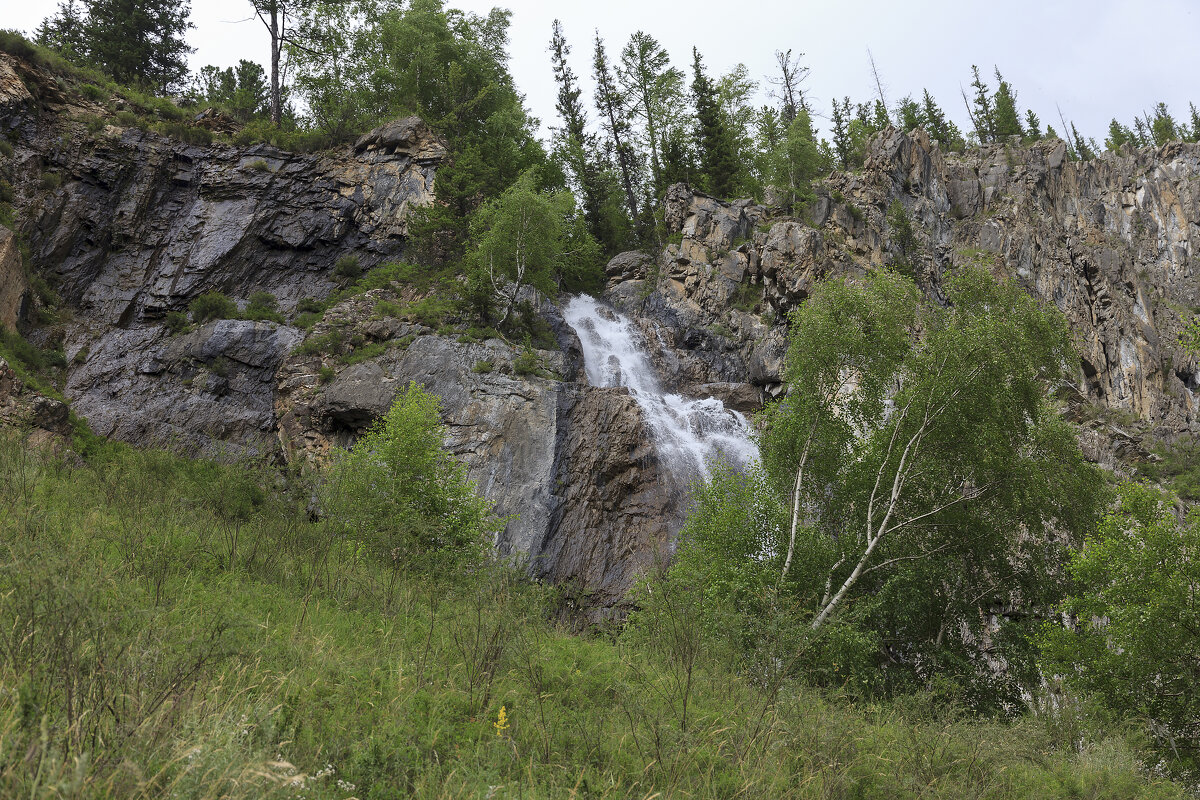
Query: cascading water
point(690, 434)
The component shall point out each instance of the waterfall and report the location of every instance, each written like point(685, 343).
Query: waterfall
point(689, 433)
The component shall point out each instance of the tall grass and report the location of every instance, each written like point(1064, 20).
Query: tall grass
point(174, 628)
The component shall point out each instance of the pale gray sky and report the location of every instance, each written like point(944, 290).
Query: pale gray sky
point(1095, 59)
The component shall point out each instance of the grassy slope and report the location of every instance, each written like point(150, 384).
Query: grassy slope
point(170, 628)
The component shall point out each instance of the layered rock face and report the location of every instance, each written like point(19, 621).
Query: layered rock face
point(129, 225)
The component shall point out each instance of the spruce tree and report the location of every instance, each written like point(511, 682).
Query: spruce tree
point(614, 121)
point(909, 115)
point(140, 42)
point(655, 92)
point(938, 125)
point(64, 31)
point(843, 148)
point(1033, 126)
point(574, 145)
point(718, 162)
point(1118, 136)
point(1005, 120)
point(980, 108)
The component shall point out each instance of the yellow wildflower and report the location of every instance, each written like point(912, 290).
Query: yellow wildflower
point(502, 721)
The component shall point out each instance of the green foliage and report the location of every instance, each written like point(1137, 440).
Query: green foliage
point(329, 342)
point(527, 361)
point(50, 181)
point(901, 460)
point(326, 374)
point(262, 306)
point(212, 305)
point(1135, 623)
point(904, 237)
point(243, 90)
point(176, 322)
point(306, 319)
point(797, 160)
point(347, 267)
point(144, 576)
point(364, 353)
point(400, 493)
point(719, 164)
point(190, 134)
point(482, 367)
point(527, 239)
point(137, 42)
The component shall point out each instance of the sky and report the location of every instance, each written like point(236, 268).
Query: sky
point(1092, 60)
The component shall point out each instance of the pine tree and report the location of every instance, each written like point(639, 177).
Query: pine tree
point(614, 120)
point(655, 91)
point(140, 42)
point(909, 115)
point(575, 145)
point(843, 148)
point(938, 125)
point(1195, 129)
point(1033, 126)
point(1163, 128)
point(1118, 136)
point(64, 31)
point(980, 108)
point(1005, 120)
point(718, 162)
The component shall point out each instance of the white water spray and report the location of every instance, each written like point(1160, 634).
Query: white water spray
point(690, 434)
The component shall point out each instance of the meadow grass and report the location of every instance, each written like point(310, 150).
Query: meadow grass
point(178, 628)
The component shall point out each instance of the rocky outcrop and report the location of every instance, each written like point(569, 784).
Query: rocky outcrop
point(22, 407)
point(128, 225)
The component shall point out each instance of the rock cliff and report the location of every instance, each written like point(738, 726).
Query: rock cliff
point(128, 226)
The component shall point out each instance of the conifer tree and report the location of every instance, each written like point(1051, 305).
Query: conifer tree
point(140, 42)
point(576, 146)
point(843, 148)
point(937, 124)
point(614, 121)
point(980, 108)
point(654, 89)
point(1005, 120)
point(1033, 126)
point(718, 162)
point(909, 115)
point(1118, 136)
point(64, 31)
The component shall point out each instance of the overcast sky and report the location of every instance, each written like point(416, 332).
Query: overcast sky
point(1094, 60)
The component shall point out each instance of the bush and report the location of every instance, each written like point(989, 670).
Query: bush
point(51, 181)
point(347, 267)
point(326, 374)
point(259, 165)
point(6, 148)
point(176, 322)
point(212, 305)
point(330, 342)
point(403, 496)
point(201, 137)
point(364, 353)
point(310, 305)
point(128, 119)
point(482, 367)
point(93, 92)
point(527, 362)
point(306, 320)
point(262, 306)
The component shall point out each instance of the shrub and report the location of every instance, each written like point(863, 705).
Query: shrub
point(403, 496)
point(51, 181)
point(6, 190)
point(6, 148)
point(330, 342)
point(326, 374)
point(310, 305)
point(364, 353)
point(259, 165)
point(190, 134)
point(128, 119)
point(93, 92)
point(527, 362)
point(347, 267)
point(220, 366)
point(482, 367)
point(306, 320)
point(262, 306)
point(212, 305)
point(176, 322)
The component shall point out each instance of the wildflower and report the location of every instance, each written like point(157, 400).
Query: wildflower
point(502, 721)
